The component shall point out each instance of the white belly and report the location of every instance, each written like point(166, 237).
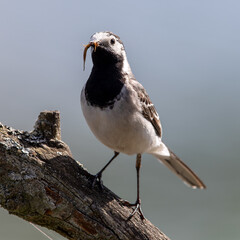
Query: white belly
point(122, 128)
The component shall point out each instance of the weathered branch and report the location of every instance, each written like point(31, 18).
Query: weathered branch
point(42, 183)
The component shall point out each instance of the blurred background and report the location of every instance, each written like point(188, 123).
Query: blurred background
point(185, 53)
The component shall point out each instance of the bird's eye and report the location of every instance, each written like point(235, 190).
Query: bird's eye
point(112, 41)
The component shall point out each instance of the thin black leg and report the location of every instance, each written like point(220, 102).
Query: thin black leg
point(98, 176)
point(137, 204)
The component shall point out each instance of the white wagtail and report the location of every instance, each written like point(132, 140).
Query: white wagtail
point(120, 113)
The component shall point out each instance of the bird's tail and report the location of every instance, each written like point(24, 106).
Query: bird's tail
point(174, 163)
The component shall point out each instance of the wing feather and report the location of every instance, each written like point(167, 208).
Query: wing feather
point(148, 110)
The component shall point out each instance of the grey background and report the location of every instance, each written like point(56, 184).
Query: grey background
point(185, 53)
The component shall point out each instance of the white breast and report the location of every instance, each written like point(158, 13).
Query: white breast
point(122, 128)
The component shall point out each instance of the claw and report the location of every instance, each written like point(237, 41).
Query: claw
point(137, 207)
point(97, 179)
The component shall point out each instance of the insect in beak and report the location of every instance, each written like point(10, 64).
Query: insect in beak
point(91, 44)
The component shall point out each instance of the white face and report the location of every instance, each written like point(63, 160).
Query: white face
point(110, 40)
point(111, 43)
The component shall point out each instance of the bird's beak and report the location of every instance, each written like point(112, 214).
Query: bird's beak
point(91, 44)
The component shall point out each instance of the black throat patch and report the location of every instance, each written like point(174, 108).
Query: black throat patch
point(104, 85)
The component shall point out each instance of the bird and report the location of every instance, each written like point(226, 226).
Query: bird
point(121, 115)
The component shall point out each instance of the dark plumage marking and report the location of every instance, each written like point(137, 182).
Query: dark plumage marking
point(106, 79)
point(103, 87)
point(148, 109)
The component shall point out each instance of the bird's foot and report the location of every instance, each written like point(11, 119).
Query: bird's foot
point(137, 207)
point(97, 179)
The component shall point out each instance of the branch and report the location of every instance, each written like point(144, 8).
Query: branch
point(41, 183)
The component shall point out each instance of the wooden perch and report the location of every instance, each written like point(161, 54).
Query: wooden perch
point(41, 183)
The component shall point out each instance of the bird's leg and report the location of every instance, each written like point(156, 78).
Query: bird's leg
point(98, 176)
point(137, 204)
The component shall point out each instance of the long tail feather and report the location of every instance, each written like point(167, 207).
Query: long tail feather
point(175, 164)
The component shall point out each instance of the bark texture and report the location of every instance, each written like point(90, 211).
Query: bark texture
point(41, 183)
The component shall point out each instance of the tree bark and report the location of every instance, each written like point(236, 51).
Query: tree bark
point(41, 183)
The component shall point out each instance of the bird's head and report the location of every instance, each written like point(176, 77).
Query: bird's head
point(107, 49)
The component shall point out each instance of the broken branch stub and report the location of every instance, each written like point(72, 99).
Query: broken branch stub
point(41, 183)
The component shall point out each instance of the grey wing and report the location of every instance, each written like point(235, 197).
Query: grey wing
point(148, 110)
